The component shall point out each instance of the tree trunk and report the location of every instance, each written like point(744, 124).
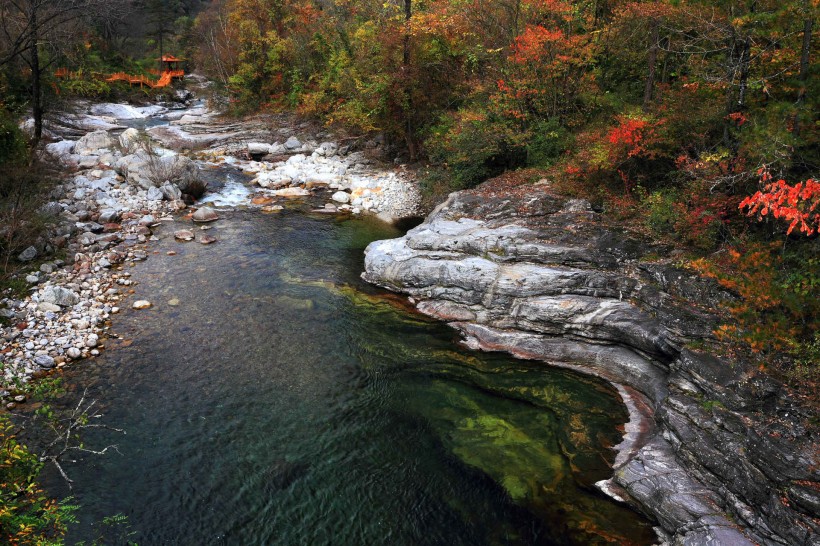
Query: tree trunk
point(804, 72)
point(161, 29)
point(804, 58)
point(745, 64)
point(36, 90)
point(731, 67)
point(740, 64)
point(653, 57)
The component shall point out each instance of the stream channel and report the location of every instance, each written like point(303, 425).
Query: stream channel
point(270, 396)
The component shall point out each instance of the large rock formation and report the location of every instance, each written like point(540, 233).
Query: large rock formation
point(715, 452)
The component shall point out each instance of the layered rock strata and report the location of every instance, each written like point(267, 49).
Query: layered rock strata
point(715, 453)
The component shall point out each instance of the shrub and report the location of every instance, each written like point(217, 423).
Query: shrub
point(473, 147)
point(21, 195)
point(79, 86)
point(12, 142)
point(662, 213)
point(776, 310)
point(806, 365)
point(27, 514)
point(548, 140)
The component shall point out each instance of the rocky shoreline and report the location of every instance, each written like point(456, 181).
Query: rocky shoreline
point(122, 182)
point(714, 452)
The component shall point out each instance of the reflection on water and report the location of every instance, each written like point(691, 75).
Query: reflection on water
point(278, 400)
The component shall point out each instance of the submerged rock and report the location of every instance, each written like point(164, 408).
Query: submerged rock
point(205, 214)
point(262, 200)
point(184, 235)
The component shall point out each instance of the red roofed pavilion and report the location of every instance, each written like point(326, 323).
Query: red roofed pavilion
point(170, 63)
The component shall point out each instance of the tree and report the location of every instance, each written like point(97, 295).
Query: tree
point(34, 32)
point(215, 49)
point(161, 15)
point(27, 514)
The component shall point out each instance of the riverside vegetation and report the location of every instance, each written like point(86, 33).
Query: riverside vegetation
point(691, 123)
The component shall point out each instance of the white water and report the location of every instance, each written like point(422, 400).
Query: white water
point(232, 194)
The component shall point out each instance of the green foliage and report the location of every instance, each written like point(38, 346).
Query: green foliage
point(27, 515)
point(14, 287)
point(13, 148)
point(547, 141)
point(662, 211)
point(112, 530)
point(22, 188)
point(806, 366)
point(709, 405)
point(473, 148)
point(86, 87)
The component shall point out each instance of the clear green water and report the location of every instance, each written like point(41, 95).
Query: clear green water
point(283, 401)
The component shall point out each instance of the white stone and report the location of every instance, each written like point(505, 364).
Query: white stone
point(92, 143)
point(59, 296)
point(341, 197)
point(129, 140)
point(118, 111)
point(291, 192)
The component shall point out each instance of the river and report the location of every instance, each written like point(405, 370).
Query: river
point(271, 397)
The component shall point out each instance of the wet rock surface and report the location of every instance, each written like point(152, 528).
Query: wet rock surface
point(716, 453)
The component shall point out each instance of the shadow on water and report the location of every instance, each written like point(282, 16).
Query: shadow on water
point(271, 397)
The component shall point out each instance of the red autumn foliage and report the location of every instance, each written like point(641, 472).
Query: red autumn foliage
point(738, 118)
point(627, 139)
point(797, 204)
point(532, 44)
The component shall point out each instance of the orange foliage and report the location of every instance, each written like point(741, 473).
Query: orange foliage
point(530, 46)
point(797, 204)
point(763, 320)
